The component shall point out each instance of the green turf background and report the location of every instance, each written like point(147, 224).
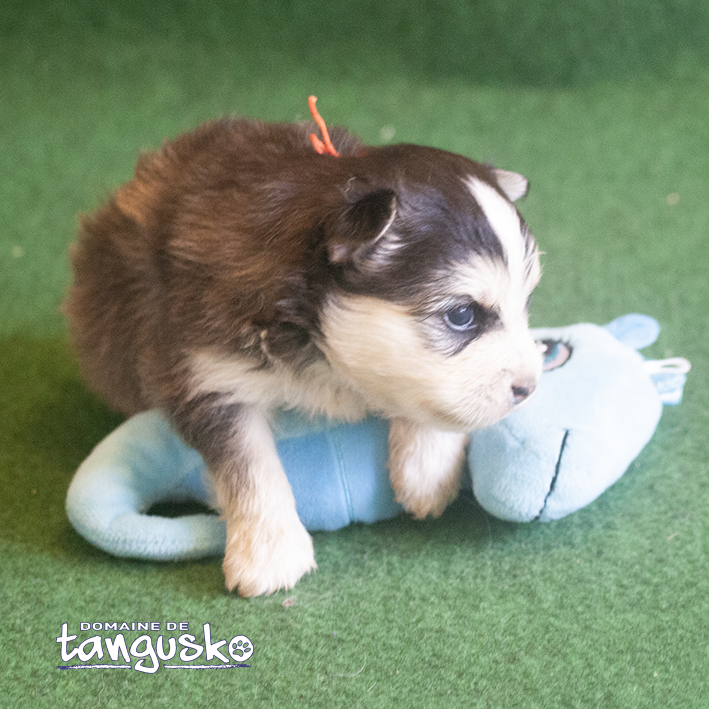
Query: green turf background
point(605, 106)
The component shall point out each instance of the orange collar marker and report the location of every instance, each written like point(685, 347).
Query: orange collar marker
point(321, 147)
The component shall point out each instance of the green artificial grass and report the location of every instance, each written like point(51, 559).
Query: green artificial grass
point(603, 106)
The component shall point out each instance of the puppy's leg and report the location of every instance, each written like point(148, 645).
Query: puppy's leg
point(267, 546)
point(425, 466)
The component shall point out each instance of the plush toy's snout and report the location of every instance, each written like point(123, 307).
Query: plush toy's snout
point(595, 409)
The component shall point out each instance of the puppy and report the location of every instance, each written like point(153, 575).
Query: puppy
point(241, 270)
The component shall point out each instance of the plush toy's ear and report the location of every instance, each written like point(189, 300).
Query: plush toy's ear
point(362, 223)
point(512, 184)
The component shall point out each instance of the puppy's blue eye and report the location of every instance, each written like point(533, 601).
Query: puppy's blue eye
point(461, 318)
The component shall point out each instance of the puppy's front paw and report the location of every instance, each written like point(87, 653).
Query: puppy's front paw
point(425, 465)
point(263, 556)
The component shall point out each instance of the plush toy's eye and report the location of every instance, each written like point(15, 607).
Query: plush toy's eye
point(555, 353)
point(461, 318)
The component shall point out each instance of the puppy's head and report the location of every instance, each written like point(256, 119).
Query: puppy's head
point(435, 267)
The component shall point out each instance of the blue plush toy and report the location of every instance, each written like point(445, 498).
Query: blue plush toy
point(596, 406)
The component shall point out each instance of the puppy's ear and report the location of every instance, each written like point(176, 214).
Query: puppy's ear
point(512, 184)
point(361, 224)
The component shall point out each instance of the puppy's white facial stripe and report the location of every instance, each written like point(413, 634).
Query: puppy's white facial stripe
point(485, 281)
point(505, 222)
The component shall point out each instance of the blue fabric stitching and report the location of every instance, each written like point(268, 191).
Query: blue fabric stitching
point(341, 467)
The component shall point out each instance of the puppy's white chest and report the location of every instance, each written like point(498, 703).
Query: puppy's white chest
point(316, 389)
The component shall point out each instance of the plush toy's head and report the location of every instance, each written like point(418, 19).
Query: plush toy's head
point(594, 410)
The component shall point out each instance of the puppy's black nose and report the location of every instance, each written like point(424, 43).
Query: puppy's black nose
point(521, 391)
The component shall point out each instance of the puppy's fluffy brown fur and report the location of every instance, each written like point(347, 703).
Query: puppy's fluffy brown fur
point(239, 271)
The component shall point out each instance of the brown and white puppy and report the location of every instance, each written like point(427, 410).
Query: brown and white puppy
point(239, 271)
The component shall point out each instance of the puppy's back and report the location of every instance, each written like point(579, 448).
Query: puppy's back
point(110, 303)
point(120, 292)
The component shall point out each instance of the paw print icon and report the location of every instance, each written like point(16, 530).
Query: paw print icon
point(241, 648)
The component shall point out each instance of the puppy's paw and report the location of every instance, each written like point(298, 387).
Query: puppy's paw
point(425, 466)
point(430, 500)
point(264, 556)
